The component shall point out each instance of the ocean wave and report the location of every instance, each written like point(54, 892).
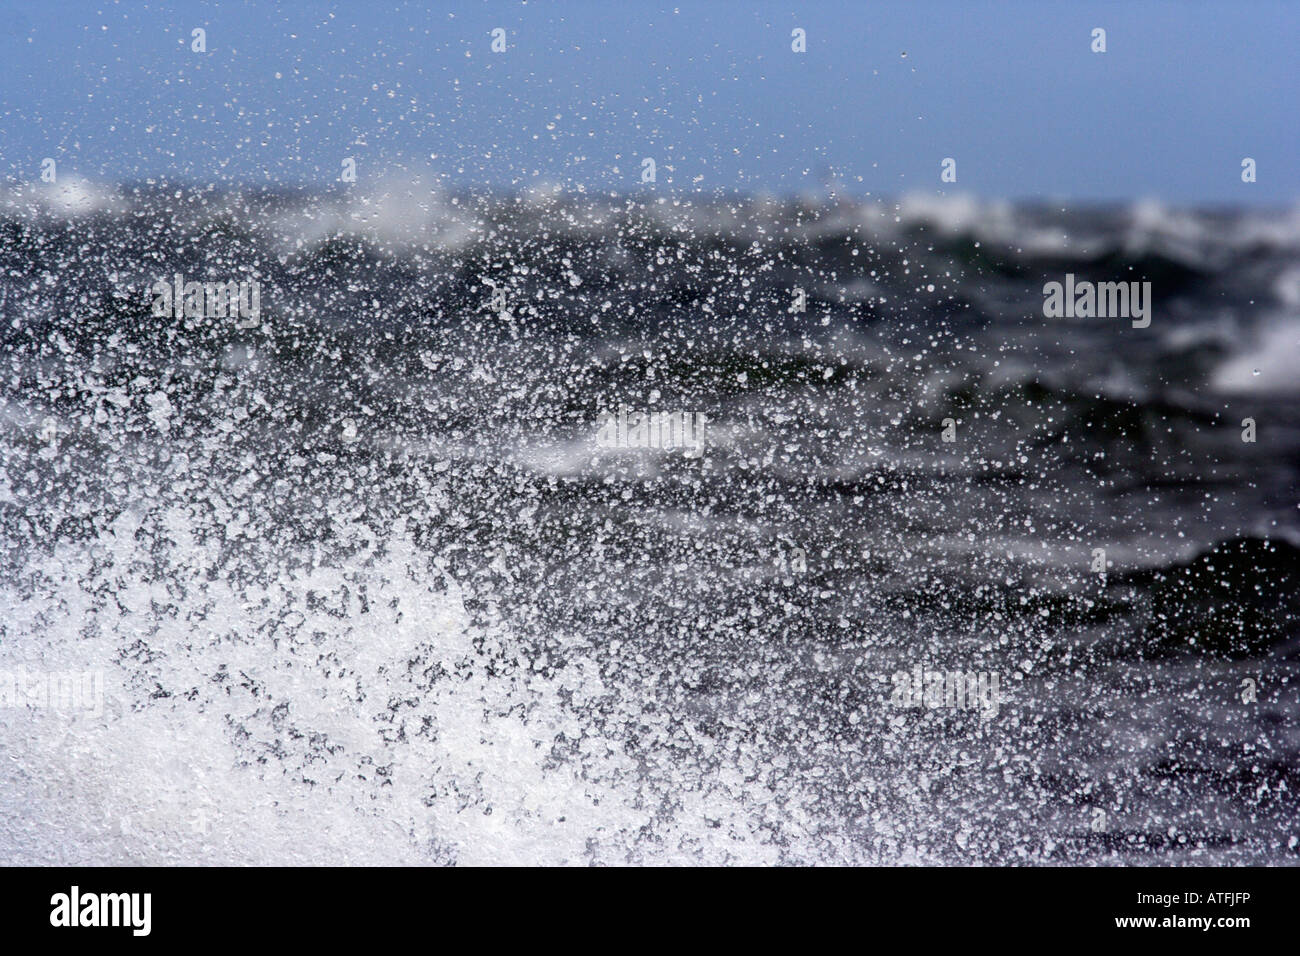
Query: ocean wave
point(365, 583)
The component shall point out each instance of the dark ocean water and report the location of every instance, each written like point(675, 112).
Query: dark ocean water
point(363, 586)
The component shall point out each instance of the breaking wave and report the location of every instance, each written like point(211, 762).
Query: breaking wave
point(363, 587)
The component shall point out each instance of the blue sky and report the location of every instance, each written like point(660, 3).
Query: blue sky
point(711, 91)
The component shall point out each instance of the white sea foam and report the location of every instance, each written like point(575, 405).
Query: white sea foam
point(300, 730)
point(1271, 365)
point(399, 211)
point(70, 196)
